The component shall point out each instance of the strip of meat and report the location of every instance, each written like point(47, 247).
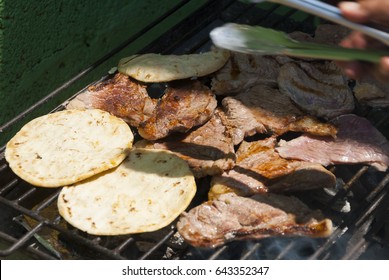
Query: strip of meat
point(357, 142)
point(263, 109)
point(184, 105)
point(259, 168)
point(318, 88)
point(208, 149)
point(243, 71)
point(232, 217)
point(120, 96)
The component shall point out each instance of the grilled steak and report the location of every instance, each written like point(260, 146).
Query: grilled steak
point(330, 34)
point(184, 105)
point(208, 149)
point(260, 169)
point(242, 71)
point(119, 96)
point(241, 181)
point(300, 36)
point(372, 93)
point(263, 109)
point(358, 141)
point(232, 217)
point(318, 88)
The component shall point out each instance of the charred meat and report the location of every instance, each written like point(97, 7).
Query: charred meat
point(183, 106)
point(121, 96)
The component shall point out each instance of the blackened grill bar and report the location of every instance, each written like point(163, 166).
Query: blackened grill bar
point(365, 226)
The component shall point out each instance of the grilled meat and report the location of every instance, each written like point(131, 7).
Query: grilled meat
point(242, 71)
point(208, 149)
point(358, 141)
point(184, 105)
point(318, 88)
point(232, 217)
point(260, 169)
point(372, 93)
point(300, 36)
point(120, 96)
point(263, 109)
point(330, 34)
point(241, 181)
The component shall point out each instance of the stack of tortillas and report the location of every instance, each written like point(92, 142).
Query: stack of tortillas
point(106, 193)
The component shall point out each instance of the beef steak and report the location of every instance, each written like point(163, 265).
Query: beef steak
point(121, 96)
point(208, 149)
point(244, 70)
point(184, 105)
point(319, 88)
point(263, 109)
point(259, 169)
point(358, 141)
point(232, 217)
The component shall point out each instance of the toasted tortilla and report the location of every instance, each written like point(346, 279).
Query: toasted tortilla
point(144, 193)
point(68, 146)
point(154, 68)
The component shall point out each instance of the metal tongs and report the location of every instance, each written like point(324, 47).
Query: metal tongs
point(265, 41)
point(331, 13)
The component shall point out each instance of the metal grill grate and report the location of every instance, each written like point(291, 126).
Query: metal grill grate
point(29, 218)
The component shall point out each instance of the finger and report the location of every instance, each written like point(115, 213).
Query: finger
point(355, 40)
point(381, 71)
point(360, 41)
point(352, 69)
point(365, 11)
point(354, 11)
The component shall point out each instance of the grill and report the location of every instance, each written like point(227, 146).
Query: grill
point(359, 207)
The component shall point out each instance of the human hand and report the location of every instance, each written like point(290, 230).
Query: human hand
point(363, 11)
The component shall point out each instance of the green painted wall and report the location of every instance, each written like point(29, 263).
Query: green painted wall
point(45, 43)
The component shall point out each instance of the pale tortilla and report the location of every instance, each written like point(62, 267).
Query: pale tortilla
point(144, 193)
point(154, 68)
point(68, 146)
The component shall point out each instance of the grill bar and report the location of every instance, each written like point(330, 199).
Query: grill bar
point(157, 245)
point(355, 223)
point(19, 243)
point(122, 246)
point(250, 252)
point(218, 253)
point(30, 249)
